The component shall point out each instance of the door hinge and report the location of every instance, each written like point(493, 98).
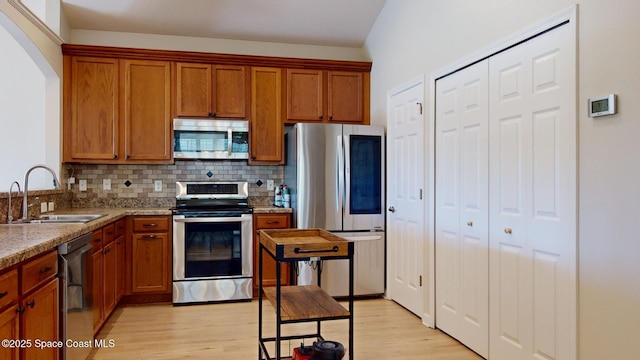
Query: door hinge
point(420, 280)
point(420, 104)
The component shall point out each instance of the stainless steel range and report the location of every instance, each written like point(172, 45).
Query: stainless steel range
point(212, 242)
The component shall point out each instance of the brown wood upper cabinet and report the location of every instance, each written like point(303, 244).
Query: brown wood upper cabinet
point(117, 110)
point(204, 90)
point(267, 126)
point(327, 96)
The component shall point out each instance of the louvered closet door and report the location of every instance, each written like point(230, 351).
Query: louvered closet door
point(532, 190)
point(462, 269)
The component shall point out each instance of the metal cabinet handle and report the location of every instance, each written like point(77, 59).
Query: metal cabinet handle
point(273, 222)
point(31, 303)
point(150, 225)
point(508, 231)
point(392, 209)
point(469, 223)
point(4, 294)
point(20, 309)
point(305, 251)
point(45, 270)
point(149, 237)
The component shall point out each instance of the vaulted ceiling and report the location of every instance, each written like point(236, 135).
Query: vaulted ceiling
point(323, 22)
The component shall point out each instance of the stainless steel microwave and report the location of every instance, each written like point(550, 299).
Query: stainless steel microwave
point(210, 139)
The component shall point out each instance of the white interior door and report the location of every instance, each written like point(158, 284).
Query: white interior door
point(405, 184)
point(461, 206)
point(533, 199)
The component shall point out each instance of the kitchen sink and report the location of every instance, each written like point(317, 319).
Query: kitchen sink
point(64, 218)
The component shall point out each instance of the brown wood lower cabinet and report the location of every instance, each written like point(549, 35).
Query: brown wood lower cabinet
point(151, 255)
point(268, 221)
point(30, 312)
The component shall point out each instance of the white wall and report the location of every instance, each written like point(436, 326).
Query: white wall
point(222, 46)
point(413, 37)
point(29, 107)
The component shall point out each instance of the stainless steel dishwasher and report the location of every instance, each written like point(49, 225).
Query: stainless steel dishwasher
point(76, 302)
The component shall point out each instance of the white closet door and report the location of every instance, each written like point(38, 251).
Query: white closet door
point(462, 269)
point(532, 175)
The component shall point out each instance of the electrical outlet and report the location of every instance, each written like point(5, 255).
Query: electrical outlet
point(82, 185)
point(157, 185)
point(51, 206)
point(72, 180)
point(43, 207)
point(106, 184)
point(270, 185)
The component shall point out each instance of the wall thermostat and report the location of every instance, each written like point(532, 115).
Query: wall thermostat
point(603, 105)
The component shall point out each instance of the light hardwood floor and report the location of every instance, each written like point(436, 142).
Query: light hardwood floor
point(382, 330)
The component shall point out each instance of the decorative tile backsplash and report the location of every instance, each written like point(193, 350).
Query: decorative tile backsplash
point(134, 185)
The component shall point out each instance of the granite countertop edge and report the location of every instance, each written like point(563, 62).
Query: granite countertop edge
point(271, 210)
point(19, 242)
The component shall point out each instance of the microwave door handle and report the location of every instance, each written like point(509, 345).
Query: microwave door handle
point(230, 140)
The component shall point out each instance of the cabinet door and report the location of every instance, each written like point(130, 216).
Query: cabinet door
point(345, 96)
point(109, 279)
point(150, 265)
point(229, 91)
point(40, 321)
point(92, 133)
point(267, 127)
point(304, 95)
point(269, 221)
point(120, 266)
point(9, 329)
point(147, 110)
point(97, 289)
point(193, 90)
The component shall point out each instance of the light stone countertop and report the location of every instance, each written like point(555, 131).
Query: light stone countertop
point(271, 210)
point(19, 242)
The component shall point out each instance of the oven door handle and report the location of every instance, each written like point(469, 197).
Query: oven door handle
point(211, 219)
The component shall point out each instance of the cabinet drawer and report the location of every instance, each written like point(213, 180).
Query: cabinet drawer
point(120, 228)
point(272, 221)
point(150, 224)
point(97, 240)
point(8, 288)
point(109, 233)
point(37, 271)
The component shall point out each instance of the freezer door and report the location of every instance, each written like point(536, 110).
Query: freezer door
point(364, 186)
point(368, 264)
point(318, 191)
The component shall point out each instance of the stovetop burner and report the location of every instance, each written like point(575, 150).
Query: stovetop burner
point(197, 198)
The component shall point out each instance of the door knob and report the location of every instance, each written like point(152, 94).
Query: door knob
point(392, 209)
point(508, 231)
point(469, 223)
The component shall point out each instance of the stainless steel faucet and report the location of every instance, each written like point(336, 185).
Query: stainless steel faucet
point(25, 206)
point(9, 216)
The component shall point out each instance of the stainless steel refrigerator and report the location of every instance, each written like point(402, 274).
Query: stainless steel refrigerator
point(336, 177)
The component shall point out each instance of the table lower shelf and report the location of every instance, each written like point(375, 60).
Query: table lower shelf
point(307, 302)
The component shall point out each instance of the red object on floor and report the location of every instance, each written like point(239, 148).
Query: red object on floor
point(302, 353)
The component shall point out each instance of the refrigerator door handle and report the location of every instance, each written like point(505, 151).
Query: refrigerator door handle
point(340, 173)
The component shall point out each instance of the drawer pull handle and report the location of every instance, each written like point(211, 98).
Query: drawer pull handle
point(273, 222)
point(20, 309)
point(45, 270)
point(150, 225)
point(97, 240)
point(149, 237)
point(303, 251)
point(31, 303)
point(4, 294)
